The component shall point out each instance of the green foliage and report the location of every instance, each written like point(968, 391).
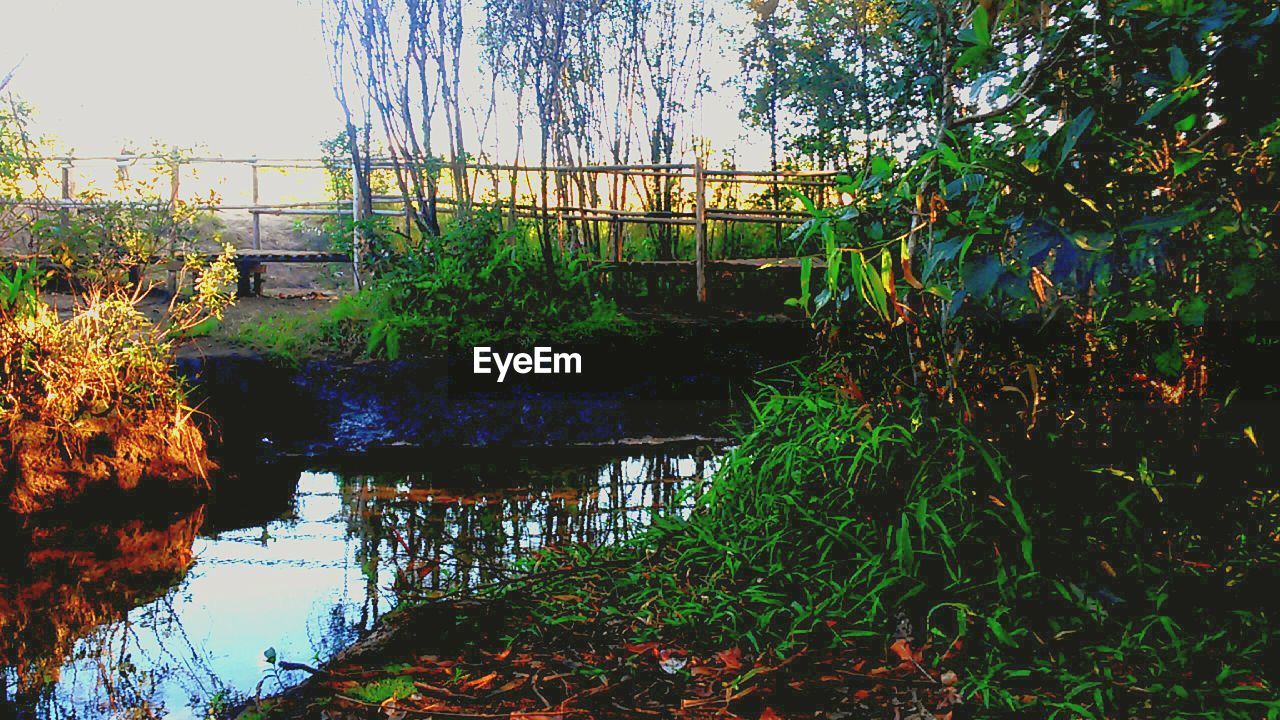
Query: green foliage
point(832, 519)
point(17, 171)
point(474, 285)
point(1125, 201)
point(478, 285)
point(20, 291)
point(379, 691)
point(112, 237)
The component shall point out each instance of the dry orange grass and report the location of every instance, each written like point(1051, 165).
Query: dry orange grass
point(90, 400)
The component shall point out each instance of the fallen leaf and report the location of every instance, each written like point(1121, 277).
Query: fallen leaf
point(641, 648)
point(732, 658)
point(901, 649)
point(512, 685)
point(769, 714)
point(481, 683)
point(955, 649)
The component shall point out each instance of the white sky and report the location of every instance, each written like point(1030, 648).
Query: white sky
point(230, 77)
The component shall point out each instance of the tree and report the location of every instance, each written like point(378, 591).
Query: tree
point(405, 58)
point(674, 39)
point(549, 48)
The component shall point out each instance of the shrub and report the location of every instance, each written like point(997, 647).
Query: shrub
point(475, 285)
point(90, 400)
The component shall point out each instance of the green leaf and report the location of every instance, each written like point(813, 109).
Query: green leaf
point(1178, 68)
point(1168, 362)
point(886, 275)
point(949, 157)
point(1157, 107)
point(1186, 161)
point(982, 26)
point(806, 272)
point(1191, 311)
point(834, 259)
point(1073, 133)
point(980, 275)
point(1242, 281)
point(1001, 634)
point(1143, 313)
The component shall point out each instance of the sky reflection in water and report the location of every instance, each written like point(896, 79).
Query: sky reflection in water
point(130, 631)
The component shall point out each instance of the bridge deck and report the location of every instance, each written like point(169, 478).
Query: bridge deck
point(289, 256)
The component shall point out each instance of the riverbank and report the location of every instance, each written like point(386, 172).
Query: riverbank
point(454, 659)
point(88, 403)
point(849, 561)
point(671, 382)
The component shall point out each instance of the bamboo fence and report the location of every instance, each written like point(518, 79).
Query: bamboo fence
point(587, 198)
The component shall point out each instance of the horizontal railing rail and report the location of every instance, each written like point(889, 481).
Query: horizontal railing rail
point(621, 203)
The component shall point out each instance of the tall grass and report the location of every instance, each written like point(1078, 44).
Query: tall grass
point(840, 526)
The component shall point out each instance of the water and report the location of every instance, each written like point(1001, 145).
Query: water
point(171, 616)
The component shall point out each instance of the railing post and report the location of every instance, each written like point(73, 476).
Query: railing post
point(175, 172)
point(257, 216)
point(615, 237)
point(175, 175)
point(515, 186)
point(700, 226)
point(64, 214)
point(357, 212)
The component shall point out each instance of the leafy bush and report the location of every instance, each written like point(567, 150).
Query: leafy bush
point(1113, 202)
point(474, 285)
point(114, 239)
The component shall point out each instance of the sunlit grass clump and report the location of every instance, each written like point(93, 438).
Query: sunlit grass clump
point(87, 396)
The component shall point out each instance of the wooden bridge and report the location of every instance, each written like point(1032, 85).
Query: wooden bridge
point(590, 198)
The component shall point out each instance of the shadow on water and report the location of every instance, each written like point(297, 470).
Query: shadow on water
point(170, 615)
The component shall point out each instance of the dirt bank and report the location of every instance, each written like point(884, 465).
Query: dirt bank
point(681, 380)
point(88, 402)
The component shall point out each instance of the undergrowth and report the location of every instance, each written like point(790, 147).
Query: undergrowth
point(475, 285)
point(1051, 590)
point(90, 398)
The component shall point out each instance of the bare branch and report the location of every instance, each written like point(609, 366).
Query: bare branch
point(9, 75)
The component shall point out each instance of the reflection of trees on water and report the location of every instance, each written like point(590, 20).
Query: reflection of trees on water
point(92, 615)
point(65, 595)
point(418, 534)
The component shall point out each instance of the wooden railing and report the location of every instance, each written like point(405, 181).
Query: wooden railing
point(612, 195)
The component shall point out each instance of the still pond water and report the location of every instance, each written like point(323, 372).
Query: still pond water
point(166, 616)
